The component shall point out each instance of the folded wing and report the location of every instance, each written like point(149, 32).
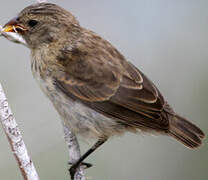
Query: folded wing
point(106, 82)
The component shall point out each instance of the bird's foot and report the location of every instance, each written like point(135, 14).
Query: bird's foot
point(74, 167)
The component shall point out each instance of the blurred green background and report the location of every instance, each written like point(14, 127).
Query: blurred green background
point(167, 40)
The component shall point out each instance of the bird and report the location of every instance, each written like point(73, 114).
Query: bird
point(95, 89)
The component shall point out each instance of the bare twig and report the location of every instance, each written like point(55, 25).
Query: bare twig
point(74, 151)
point(15, 139)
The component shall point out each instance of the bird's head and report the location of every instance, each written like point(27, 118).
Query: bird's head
point(42, 24)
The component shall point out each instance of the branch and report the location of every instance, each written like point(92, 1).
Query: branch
point(15, 139)
point(74, 151)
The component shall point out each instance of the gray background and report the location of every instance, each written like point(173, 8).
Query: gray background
point(167, 40)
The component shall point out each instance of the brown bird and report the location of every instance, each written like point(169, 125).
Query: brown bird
point(97, 92)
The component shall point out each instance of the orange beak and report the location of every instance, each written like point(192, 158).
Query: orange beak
point(14, 26)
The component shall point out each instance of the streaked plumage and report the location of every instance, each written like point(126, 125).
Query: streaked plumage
point(97, 92)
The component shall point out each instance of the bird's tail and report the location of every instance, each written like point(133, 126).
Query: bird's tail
point(185, 132)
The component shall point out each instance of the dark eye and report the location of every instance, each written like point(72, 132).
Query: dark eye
point(32, 23)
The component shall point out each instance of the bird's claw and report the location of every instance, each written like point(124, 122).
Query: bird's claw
point(74, 167)
point(72, 172)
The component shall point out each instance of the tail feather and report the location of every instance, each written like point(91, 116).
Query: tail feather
point(185, 132)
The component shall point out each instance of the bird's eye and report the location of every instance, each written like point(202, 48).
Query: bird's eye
point(32, 23)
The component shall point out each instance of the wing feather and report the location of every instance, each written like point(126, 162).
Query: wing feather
point(102, 79)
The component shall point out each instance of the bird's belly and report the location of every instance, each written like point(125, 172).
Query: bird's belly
point(77, 116)
point(84, 120)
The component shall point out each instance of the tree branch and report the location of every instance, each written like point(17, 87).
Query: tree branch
point(15, 139)
point(74, 151)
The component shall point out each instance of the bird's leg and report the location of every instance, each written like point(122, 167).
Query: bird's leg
point(74, 167)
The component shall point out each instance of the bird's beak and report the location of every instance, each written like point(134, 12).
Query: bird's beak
point(14, 26)
point(14, 31)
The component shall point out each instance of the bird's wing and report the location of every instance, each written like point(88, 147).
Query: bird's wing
point(105, 81)
point(88, 78)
